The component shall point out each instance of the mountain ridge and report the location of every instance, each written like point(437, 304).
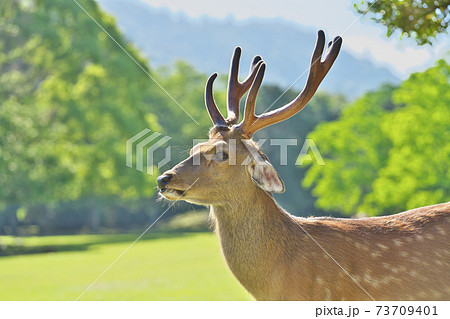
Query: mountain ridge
point(207, 44)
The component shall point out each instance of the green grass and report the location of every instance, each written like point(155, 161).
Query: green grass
point(159, 267)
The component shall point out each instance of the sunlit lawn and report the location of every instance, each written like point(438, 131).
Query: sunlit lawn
point(158, 267)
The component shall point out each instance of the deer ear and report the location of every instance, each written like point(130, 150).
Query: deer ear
point(265, 176)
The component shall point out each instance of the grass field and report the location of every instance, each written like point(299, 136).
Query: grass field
point(164, 266)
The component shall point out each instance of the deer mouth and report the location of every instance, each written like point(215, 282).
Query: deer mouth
point(172, 193)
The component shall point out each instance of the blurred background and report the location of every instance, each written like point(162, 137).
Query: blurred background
point(70, 98)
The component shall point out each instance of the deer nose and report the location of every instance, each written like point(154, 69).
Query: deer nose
point(163, 180)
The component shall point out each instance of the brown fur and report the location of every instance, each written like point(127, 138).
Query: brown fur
point(277, 256)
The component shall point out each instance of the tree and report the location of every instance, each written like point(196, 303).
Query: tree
point(187, 87)
point(417, 170)
point(388, 152)
point(354, 149)
point(69, 99)
point(421, 20)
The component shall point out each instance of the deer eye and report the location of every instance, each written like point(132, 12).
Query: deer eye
point(221, 156)
point(225, 156)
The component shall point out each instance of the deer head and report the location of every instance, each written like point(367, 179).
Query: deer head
point(230, 164)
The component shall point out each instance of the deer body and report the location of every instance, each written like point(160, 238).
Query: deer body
point(399, 257)
point(276, 256)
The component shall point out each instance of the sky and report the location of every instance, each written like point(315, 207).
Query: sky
point(362, 37)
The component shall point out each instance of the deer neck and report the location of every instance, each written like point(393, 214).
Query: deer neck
point(249, 234)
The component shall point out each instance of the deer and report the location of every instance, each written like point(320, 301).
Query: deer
point(278, 256)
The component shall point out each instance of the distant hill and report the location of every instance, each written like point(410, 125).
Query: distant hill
point(208, 43)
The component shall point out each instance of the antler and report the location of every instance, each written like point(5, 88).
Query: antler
point(252, 123)
point(214, 113)
point(237, 89)
point(235, 92)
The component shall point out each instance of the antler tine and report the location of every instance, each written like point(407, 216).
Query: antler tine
point(237, 89)
point(214, 113)
point(317, 72)
point(250, 102)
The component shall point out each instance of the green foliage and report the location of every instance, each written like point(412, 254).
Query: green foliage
point(354, 149)
point(419, 19)
point(417, 172)
point(69, 99)
point(186, 86)
point(388, 152)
